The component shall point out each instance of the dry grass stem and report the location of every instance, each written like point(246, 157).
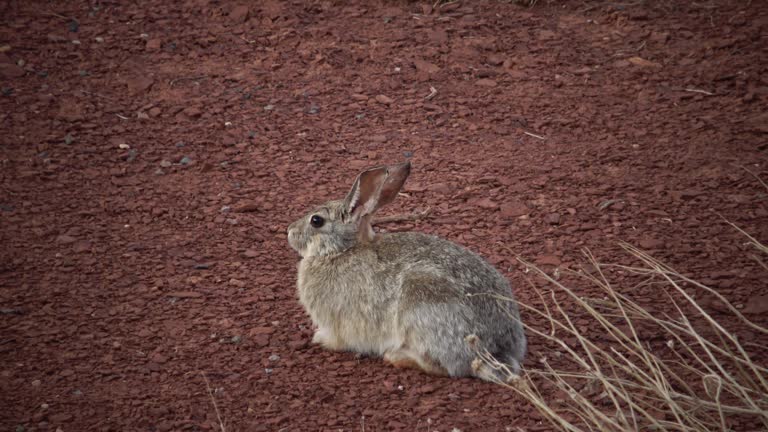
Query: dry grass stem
point(636, 368)
point(534, 135)
point(213, 401)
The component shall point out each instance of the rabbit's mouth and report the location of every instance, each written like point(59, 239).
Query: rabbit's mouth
point(296, 241)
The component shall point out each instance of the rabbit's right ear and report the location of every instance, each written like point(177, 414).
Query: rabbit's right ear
point(363, 197)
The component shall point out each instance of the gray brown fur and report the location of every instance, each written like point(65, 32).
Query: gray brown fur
point(413, 298)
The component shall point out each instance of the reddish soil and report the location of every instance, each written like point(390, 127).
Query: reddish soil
point(154, 152)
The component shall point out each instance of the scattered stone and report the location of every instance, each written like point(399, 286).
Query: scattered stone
point(70, 110)
point(60, 418)
point(68, 139)
point(553, 218)
point(184, 294)
point(384, 99)
point(237, 283)
point(165, 163)
point(36, 383)
point(514, 209)
point(186, 160)
point(153, 45)
point(192, 112)
point(10, 70)
point(757, 305)
point(486, 82)
point(269, 107)
point(239, 14)
point(551, 260)
point(246, 207)
point(650, 244)
point(261, 331)
point(425, 66)
point(486, 203)
point(65, 239)
point(274, 358)
point(379, 138)
point(139, 84)
point(639, 61)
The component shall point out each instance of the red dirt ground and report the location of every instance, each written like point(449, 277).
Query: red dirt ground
point(128, 271)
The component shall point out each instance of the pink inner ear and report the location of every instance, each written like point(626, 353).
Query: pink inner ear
point(365, 193)
point(397, 174)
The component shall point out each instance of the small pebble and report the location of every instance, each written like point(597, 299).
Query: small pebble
point(269, 108)
point(185, 160)
point(267, 370)
point(68, 139)
point(225, 209)
point(44, 406)
point(274, 358)
point(237, 339)
point(99, 39)
point(36, 383)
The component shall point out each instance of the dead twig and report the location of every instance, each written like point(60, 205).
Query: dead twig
point(757, 177)
point(692, 90)
point(432, 93)
point(402, 217)
point(213, 400)
point(534, 135)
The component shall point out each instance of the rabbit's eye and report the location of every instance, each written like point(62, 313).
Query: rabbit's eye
point(316, 221)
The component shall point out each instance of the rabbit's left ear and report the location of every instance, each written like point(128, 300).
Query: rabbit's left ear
point(362, 198)
point(396, 175)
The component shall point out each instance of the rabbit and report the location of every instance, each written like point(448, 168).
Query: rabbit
point(417, 300)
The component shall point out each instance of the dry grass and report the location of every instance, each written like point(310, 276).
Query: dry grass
point(615, 365)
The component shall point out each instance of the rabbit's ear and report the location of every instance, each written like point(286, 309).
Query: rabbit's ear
point(396, 175)
point(361, 199)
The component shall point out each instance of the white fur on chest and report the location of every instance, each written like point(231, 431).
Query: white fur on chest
point(349, 310)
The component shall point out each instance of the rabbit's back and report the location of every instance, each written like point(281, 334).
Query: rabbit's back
point(452, 293)
point(403, 252)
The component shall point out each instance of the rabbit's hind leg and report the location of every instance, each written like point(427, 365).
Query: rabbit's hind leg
point(405, 357)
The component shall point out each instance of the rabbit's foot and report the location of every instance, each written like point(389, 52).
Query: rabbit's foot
point(407, 358)
point(494, 373)
point(327, 340)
